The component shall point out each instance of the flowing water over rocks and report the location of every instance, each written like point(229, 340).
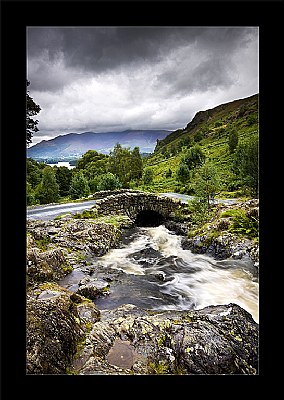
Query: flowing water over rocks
point(151, 270)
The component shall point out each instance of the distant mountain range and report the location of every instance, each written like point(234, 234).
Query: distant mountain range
point(74, 145)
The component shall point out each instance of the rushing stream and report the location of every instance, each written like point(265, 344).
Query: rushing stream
point(152, 271)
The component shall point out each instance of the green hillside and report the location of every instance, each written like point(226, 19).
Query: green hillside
point(211, 130)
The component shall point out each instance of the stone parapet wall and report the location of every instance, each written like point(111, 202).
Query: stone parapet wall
point(105, 193)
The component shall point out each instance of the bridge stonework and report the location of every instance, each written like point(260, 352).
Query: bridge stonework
point(133, 203)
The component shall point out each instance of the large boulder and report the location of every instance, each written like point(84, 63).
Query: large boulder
point(56, 324)
point(92, 288)
point(50, 265)
point(128, 340)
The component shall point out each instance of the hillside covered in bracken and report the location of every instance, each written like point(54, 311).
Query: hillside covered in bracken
point(217, 135)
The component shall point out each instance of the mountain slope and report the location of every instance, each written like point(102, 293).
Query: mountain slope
point(75, 144)
point(203, 121)
point(210, 129)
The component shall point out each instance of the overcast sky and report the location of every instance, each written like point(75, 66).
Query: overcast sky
point(105, 79)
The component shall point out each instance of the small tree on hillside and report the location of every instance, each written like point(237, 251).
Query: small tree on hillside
point(119, 163)
point(136, 164)
point(206, 182)
point(183, 173)
point(233, 140)
point(148, 176)
point(194, 157)
point(245, 164)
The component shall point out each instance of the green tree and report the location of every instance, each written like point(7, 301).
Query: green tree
point(31, 197)
point(63, 177)
point(33, 172)
point(199, 212)
point(96, 168)
point(252, 119)
point(136, 164)
point(79, 186)
point(108, 181)
point(48, 190)
point(183, 173)
point(233, 140)
point(93, 183)
point(245, 164)
point(119, 163)
point(173, 149)
point(148, 176)
point(194, 157)
point(89, 156)
point(31, 110)
point(198, 136)
point(206, 182)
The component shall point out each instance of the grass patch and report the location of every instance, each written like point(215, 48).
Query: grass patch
point(43, 243)
point(86, 214)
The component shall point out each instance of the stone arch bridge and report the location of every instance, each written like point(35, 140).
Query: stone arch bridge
point(145, 209)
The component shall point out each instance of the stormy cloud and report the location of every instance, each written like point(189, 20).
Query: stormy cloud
point(102, 78)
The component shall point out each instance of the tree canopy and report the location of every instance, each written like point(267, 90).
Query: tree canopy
point(31, 110)
point(48, 190)
point(79, 186)
point(245, 164)
point(207, 182)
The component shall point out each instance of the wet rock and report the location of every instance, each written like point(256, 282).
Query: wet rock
point(46, 265)
point(215, 340)
point(54, 328)
point(122, 354)
point(92, 288)
point(177, 227)
point(146, 256)
point(54, 248)
point(76, 235)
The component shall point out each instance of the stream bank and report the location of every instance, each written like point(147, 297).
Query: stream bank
point(67, 333)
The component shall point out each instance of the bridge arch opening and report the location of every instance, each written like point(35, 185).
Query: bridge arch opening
point(149, 218)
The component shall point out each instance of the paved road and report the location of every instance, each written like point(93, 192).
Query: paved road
point(53, 210)
point(184, 198)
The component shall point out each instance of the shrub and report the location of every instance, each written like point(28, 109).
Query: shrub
point(242, 224)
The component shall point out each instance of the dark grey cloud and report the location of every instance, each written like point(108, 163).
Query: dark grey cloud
point(102, 49)
point(96, 78)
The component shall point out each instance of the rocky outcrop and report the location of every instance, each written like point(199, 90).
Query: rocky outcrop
point(66, 334)
point(48, 265)
point(216, 240)
point(55, 326)
point(128, 340)
point(92, 288)
point(55, 246)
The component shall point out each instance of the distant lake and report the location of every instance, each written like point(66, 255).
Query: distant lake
point(62, 164)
